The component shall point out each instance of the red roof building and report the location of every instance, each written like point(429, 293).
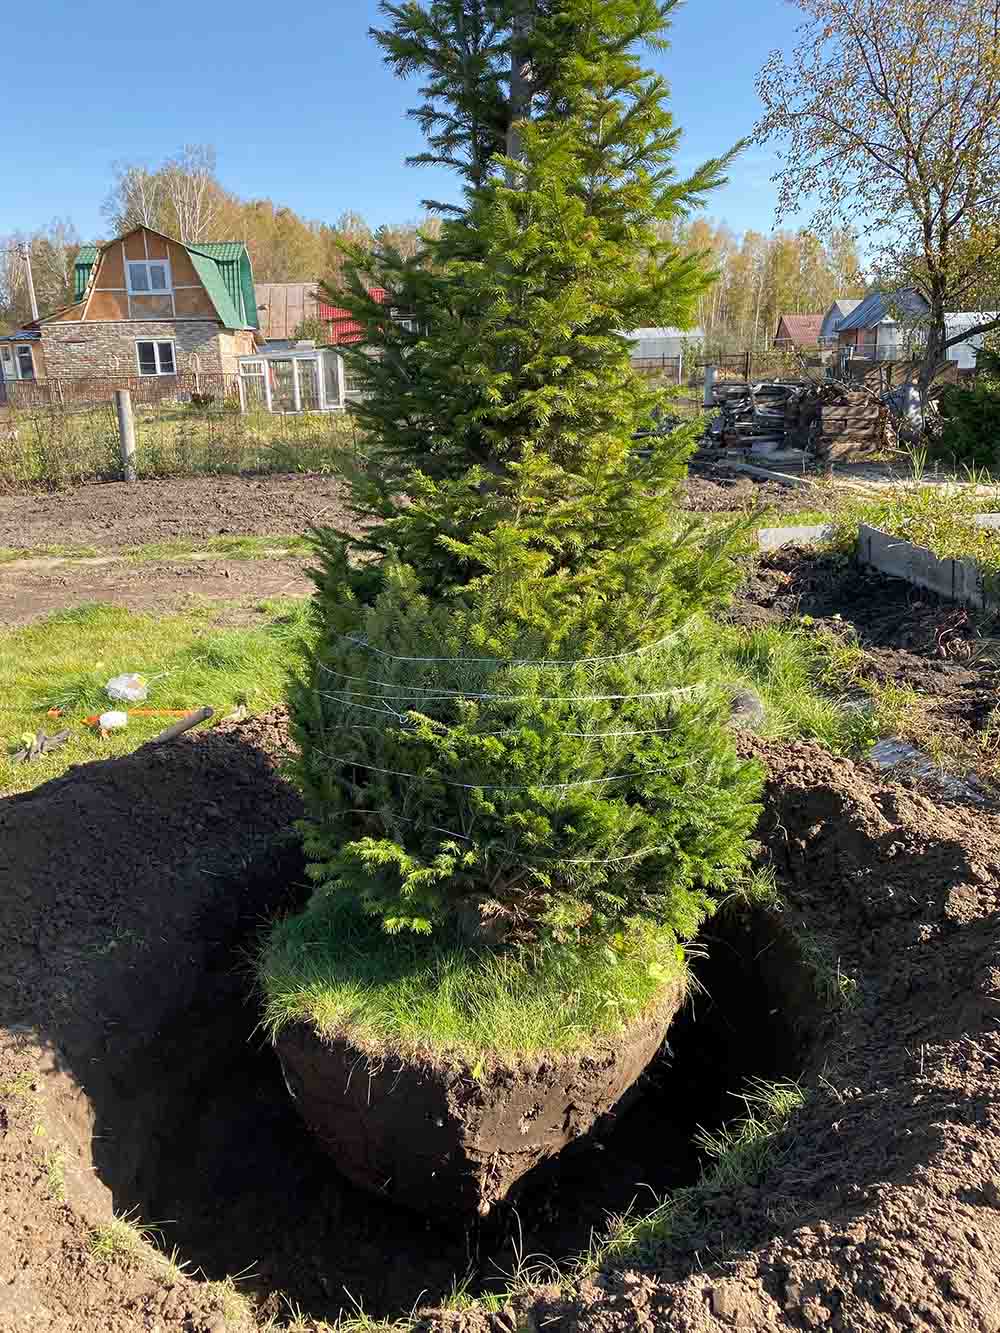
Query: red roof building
point(798, 330)
point(344, 328)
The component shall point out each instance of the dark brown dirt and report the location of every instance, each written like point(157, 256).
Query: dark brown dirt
point(912, 638)
point(126, 883)
point(115, 514)
point(119, 881)
point(435, 1137)
point(714, 488)
point(168, 586)
point(880, 1209)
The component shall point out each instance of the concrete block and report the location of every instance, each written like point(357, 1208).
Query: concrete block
point(800, 534)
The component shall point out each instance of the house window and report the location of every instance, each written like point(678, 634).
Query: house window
point(148, 276)
point(25, 366)
point(155, 358)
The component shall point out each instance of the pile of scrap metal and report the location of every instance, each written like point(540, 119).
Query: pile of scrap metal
point(821, 419)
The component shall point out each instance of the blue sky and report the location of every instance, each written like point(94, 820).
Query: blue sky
point(298, 104)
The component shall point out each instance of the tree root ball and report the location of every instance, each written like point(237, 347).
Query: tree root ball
point(441, 1135)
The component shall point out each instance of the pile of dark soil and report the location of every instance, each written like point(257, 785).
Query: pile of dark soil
point(714, 488)
point(120, 882)
point(881, 1210)
point(946, 653)
point(124, 1013)
point(113, 514)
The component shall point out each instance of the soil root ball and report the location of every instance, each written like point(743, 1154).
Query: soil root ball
point(440, 1137)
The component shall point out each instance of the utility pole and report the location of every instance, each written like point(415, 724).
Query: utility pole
point(26, 252)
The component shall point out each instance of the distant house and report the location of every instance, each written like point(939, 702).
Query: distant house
point(20, 357)
point(147, 305)
point(283, 306)
point(841, 308)
point(280, 376)
point(882, 326)
point(964, 353)
point(648, 344)
point(798, 331)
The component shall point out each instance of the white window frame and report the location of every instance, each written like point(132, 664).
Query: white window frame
point(408, 322)
point(144, 374)
point(150, 290)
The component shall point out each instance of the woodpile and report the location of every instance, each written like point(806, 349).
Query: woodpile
point(827, 419)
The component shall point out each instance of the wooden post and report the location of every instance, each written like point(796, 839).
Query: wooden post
point(126, 432)
point(749, 364)
point(709, 398)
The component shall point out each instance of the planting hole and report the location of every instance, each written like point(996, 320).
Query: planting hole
point(203, 1141)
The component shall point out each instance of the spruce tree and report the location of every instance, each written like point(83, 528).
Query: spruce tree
point(501, 705)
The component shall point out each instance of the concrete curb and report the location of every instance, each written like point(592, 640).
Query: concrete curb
point(960, 580)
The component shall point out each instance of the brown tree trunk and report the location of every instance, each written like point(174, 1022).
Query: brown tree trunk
point(520, 80)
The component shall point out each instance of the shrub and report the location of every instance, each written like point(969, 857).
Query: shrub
point(970, 432)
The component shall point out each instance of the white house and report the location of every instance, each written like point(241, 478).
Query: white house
point(657, 343)
point(965, 352)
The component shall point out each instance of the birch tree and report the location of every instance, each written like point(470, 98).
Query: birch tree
point(886, 114)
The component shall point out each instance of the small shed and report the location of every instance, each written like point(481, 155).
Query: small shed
point(293, 377)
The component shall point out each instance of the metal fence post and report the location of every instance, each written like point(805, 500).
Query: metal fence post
point(709, 398)
point(126, 432)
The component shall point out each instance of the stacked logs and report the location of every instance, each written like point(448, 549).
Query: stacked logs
point(827, 419)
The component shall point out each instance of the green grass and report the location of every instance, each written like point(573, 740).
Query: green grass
point(122, 1240)
point(936, 517)
point(812, 684)
point(737, 1155)
point(798, 518)
point(55, 1175)
point(228, 548)
point(65, 660)
point(340, 972)
point(53, 551)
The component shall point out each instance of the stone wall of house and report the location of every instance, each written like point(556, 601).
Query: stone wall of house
point(108, 347)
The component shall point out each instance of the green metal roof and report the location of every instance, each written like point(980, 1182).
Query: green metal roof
point(221, 249)
point(86, 257)
point(231, 286)
point(214, 283)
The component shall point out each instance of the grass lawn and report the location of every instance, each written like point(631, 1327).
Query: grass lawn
point(936, 517)
point(341, 972)
point(65, 660)
point(223, 548)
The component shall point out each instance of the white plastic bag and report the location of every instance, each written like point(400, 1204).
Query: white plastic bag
point(113, 721)
point(127, 689)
